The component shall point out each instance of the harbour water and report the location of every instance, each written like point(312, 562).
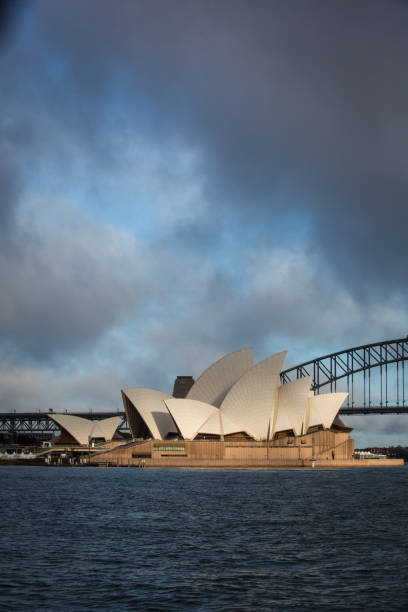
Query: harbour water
point(162, 539)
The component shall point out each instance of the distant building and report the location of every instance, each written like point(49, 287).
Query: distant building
point(369, 455)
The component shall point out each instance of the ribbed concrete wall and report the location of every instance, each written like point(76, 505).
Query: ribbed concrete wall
point(180, 453)
point(251, 463)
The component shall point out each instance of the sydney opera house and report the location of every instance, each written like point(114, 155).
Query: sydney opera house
point(236, 414)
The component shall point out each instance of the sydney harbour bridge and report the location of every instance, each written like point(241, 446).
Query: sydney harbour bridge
point(373, 375)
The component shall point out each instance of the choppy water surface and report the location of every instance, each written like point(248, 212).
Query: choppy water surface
point(129, 539)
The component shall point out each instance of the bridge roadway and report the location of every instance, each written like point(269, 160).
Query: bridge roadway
point(40, 422)
point(350, 410)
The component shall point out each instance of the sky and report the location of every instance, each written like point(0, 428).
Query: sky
point(182, 179)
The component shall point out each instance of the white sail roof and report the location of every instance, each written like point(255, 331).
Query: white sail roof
point(323, 408)
point(150, 406)
point(214, 383)
point(78, 427)
point(251, 400)
point(189, 415)
point(231, 397)
point(212, 425)
point(292, 404)
point(228, 426)
point(96, 431)
point(83, 429)
point(105, 428)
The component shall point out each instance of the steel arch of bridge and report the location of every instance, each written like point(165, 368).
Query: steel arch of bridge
point(346, 364)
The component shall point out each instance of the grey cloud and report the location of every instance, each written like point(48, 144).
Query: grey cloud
point(307, 97)
point(71, 282)
point(285, 300)
point(372, 430)
point(195, 316)
point(114, 362)
point(8, 193)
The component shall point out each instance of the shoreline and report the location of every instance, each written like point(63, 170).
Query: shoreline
point(341, 465)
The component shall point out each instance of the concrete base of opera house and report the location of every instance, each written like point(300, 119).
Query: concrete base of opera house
point(320, 449)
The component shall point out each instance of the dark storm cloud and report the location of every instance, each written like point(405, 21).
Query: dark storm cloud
point(306, 99)
point(8, 14)
point(298, 111)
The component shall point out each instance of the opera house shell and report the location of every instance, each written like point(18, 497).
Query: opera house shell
point(77, 430)
point(233, 398)
point(236, 414)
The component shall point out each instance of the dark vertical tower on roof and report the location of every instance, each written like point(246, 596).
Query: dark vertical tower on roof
point(182, 386)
